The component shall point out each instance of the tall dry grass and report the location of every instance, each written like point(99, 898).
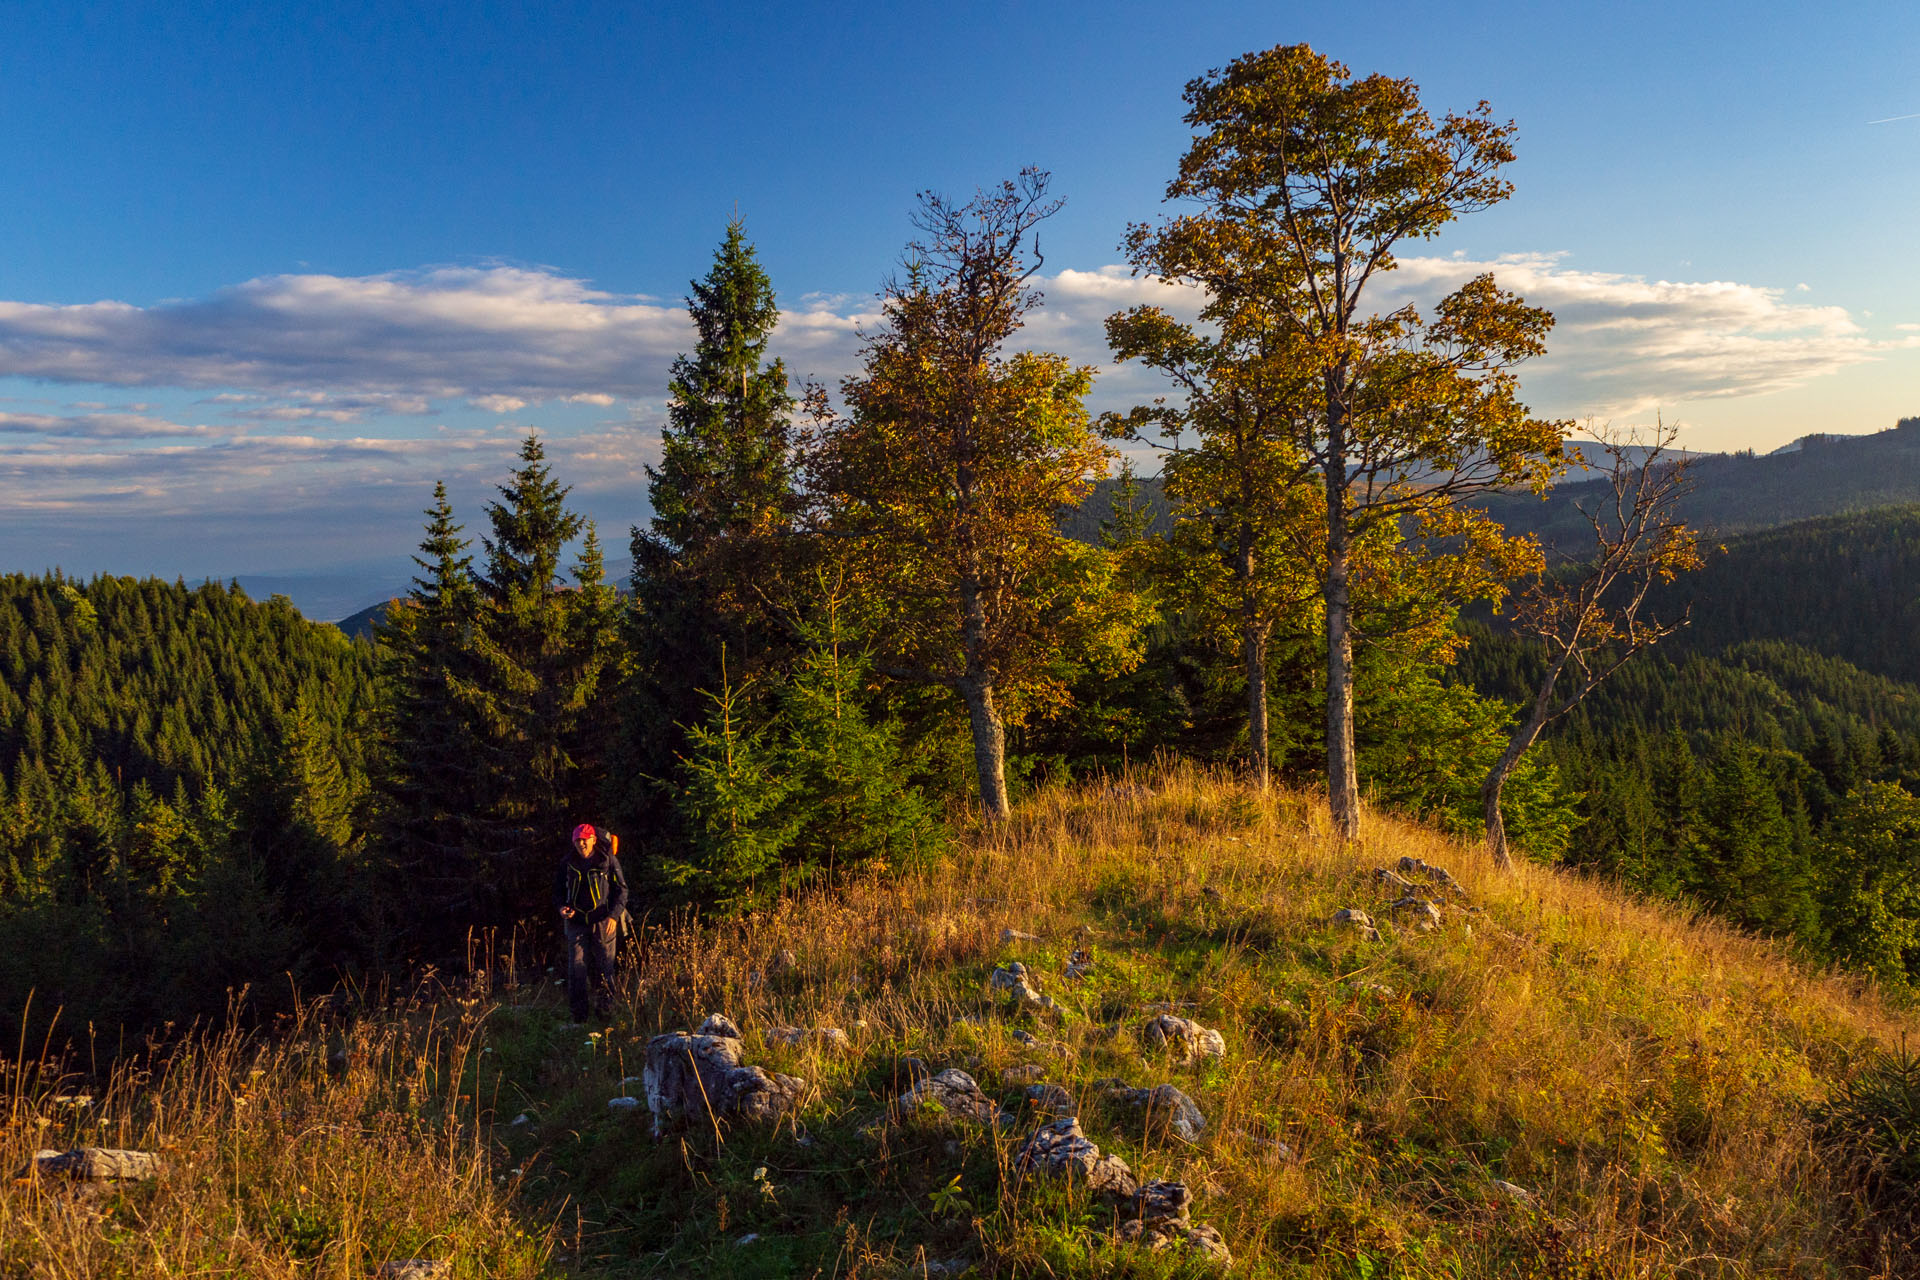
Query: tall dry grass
point(323, 1150)
point(1646, 1078)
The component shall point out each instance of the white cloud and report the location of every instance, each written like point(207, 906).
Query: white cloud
point(446, 332)
point(1624, 344)
point(292, 364)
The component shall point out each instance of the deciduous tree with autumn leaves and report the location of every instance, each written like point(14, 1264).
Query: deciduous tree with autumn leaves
point(942, 482)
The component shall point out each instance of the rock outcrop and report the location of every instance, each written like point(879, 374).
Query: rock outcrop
point(951, 1093)
point(700, 1074)
point(1167, 1110)
point(1184, 1037)
point(1059, 1149)
point(97, 1164)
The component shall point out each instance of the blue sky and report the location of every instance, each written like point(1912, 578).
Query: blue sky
point(267, 271)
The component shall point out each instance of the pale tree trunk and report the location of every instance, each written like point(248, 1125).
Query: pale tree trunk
point(1253, 651)
point(989, 746)
point(1522, 737)
point(976, 690)
point(1343, 781)
point(1254, 646)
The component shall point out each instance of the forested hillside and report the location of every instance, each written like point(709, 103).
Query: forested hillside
point(1764, 759)
point(182, 795)
point(1742, 492)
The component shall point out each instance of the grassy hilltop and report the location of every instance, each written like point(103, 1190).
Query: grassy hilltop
point(1661, 1095)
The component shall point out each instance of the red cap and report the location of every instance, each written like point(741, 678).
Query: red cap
point(584, 829)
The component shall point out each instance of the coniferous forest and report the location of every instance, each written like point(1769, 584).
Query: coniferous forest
point(864, 617)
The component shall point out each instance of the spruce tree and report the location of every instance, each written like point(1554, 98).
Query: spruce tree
point(431, 785)
point(853, 804)
point(733, 796)
point(539, 653)
point(706, 571)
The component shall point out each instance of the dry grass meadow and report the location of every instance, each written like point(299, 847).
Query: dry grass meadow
point(1652, 1081)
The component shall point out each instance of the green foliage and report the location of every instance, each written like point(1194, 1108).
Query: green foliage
point(540, 657)
point(707, 572)
point(852, 799)
point(183, 799)
point(1873, 1122)
point(733, 801)
point(1870, 857)
point(1425, 746)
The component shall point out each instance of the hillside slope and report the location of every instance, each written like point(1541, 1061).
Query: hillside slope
point(1556, 1081)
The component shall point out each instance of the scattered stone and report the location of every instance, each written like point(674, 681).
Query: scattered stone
point(1513, 1192)
point(1052, 1098)
point(1425, 913)
point(1059, 1148)
point(417, 1269)
point(1212, 894)
point(1272, 1150)
point(77, 1101)
point(955, 1094)
point(622, 1104)
point(97, 1164)
point(1162, 1221)
point(1023, 1074)
point(523, 1118)
point(702, 1075)
point(1162, 1233)
point(1411, 866)
point(1392, 881)
point(1184, 1036)
point(782, 961)
point(1015, 935)
point(939, 1269)
point(912, 1069)
point(719, 1024)
point(1080, 963)
point(1359, 920)
point(1012, 979)
point(1168, 1200)
point(1380, 989)
point(832, 1038)
point(750, 1238)
point(1167, 1110)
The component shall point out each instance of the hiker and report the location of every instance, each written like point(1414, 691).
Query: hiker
point(591, 892)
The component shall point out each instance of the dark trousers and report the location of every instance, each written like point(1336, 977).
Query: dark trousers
point(590, 968)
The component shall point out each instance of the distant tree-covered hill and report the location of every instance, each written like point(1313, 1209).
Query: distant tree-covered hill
point(1742, 492)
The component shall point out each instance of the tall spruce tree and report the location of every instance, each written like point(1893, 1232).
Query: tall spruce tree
point(707, 569)
point(539, 654)
point(431, 784)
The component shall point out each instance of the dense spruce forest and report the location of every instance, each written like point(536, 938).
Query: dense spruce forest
point(183, 800)
point(861, 617)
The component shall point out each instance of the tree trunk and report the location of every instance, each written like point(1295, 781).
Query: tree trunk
point(989, 746)
point(1343, 781)
point(1517, 743)
point(1254, 647)
point(1253, 650)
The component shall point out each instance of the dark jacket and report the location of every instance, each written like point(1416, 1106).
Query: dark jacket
point(596, 887)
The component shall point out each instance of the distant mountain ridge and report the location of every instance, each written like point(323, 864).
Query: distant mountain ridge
point(1819, 475)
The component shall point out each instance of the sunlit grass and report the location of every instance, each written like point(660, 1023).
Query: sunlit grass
point(1647, 1077)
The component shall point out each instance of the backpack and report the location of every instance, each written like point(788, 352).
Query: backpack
point(623, 931)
